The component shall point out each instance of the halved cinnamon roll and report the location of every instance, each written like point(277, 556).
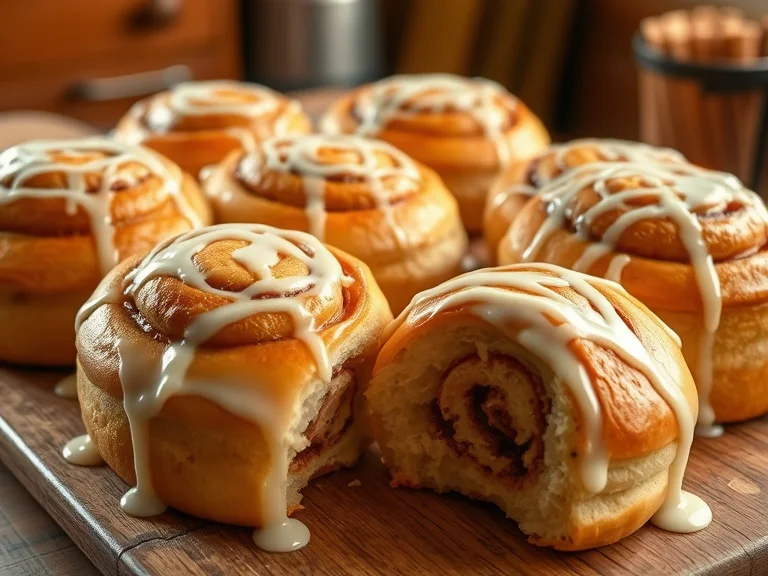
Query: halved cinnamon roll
point(690, 243)
point(466, 129)
point(523, 179)
point(363, 196)
point(552, 394)
point(69, 211)
point(223, 371)
point(196, 124)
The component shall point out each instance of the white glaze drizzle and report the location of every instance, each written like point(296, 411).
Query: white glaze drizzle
point(215, 97)
point(550, 322)
point(593, 253)
point(20, 163)
point(609, 150)
point(81, 451)
point(302, 155)
point(145, 396)
point(66, 387)
point(223, 97)
point(616, 267)
point(401, 96)
point(679, 191)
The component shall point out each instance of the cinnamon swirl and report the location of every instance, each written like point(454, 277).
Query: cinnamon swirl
point(196, 124)
point(362, 196)
point(689, 243)
point(69, 211)
point(465, 129)
point(223, 371)
point(552, 394)
point(523, 179)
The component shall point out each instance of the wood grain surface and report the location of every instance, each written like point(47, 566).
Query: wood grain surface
point(31, 543)
point(370, 528)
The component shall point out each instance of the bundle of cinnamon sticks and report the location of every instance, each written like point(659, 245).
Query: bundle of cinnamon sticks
point(717, 130)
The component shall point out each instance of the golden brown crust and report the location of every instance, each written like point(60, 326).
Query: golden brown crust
point(740, 372)
point(452, 141)
point(207, 124)
point(38, 328)
point(626, 513)
point(204, 459)
point(407, 229)
point(661, 284)
point(49, 254)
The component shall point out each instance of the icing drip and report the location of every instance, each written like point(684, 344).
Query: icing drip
point(303, 155)
point(707, 426)
point(550, 322)
point(146, 392)
point(593, 253)
point(616, 267)
point(81, 451)
point(489, 104)
point(20, 163)
point(680, 191)
point(66, 387)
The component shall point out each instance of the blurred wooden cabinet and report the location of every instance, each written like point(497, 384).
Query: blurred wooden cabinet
point(522, 44)
point(91, 59)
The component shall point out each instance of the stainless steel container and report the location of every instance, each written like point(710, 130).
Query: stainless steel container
point(295, 44)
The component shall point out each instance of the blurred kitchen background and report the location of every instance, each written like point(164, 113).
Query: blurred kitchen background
point(570, 60)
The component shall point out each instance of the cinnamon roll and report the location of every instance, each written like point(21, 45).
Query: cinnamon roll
point(465, 129)
point(69, 211)
point(689, 243)
point(554, 395)
point(223, 371)
point(523, 179)
point(196, 124)
point(362, 196)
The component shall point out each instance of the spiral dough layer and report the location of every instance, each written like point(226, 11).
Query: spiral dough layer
point(555, 395)
point(363, 196)
point(688, 242)
point(466, 129)
point(196, 124)
point(69, 212)
point(228, 360)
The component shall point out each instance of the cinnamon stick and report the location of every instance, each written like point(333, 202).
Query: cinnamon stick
point(686, 95)
point(765, 35)
point(655, 119)
point(742, 41)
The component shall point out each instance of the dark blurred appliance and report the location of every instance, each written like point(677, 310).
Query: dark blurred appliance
point(296, 44)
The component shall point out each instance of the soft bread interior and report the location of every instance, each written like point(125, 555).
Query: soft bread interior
point(328, 435)
point(543, 490)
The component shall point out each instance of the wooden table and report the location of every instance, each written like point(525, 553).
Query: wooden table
point(31, 543)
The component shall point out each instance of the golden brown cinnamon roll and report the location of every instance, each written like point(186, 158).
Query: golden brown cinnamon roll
point(467, 130)
point(222, 372)
point(689, 243)
point(196, 124)
point(69, 211)
point(525, 178)
point(362, 196)
point(552, 394)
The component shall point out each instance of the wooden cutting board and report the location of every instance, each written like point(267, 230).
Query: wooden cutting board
point(372, 528)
